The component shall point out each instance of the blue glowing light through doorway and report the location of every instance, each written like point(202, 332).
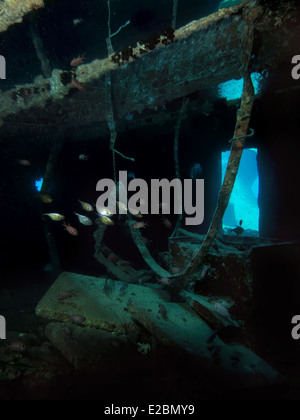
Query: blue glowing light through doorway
point(243, 204)
point(233, 89)
point(39, 184)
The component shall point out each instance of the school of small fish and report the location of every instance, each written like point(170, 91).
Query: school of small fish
point(105, 215)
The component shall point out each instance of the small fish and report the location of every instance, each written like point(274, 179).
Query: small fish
point(140, 225)
point(131, 175)
point(136, 213)
point(77, 22)
point(70, 229)
point(66, 294)
point(167, 223)
point(238, 230)
point(77, 61)
point(78, 85)
point(46, 198)
point(104, 211)
point(84, 220)
point(56, 217)
point(204, 271)
point(196, 171)
point(221, 310)
point(83, 157)
point(176, 270)
point(125, 264)
point(86, 206)
point(164, 281)
point(24, 162)
point(77, 319)
point(106, 221)
point(2, 10)
point(113, 258)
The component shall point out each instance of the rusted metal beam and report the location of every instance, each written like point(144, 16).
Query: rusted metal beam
point(146, 77)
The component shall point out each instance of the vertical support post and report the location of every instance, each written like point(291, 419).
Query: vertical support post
point(238, 143)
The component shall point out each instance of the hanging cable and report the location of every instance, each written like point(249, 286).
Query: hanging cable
point(174, 15)
point(176, 158)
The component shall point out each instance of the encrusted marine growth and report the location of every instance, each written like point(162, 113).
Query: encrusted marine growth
point(12, 11)
point(143, 47)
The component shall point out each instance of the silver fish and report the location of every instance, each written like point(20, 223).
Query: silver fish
point(106, 221)
point(56, 217)
point(104, 211)
point(86, 206)
point(84, 220)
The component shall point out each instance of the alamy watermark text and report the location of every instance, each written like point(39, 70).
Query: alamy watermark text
point(2, 328)
point(160, 201)
point(2, 67)
point(296, 69)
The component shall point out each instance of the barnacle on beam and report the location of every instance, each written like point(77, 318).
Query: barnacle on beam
point(14, 10)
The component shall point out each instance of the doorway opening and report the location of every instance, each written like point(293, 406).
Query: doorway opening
point(243, 204)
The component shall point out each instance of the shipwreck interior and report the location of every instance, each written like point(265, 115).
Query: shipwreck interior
point(168, 90)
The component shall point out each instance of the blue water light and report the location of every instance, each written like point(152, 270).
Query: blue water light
point(233, 89)
point(39, 184)
point(243, 204)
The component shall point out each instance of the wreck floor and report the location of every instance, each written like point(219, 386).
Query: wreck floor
point(42, 373)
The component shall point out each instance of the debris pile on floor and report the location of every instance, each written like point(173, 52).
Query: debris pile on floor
point(82, 303)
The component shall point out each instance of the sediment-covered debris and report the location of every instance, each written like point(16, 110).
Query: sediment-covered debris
point(170, 323)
